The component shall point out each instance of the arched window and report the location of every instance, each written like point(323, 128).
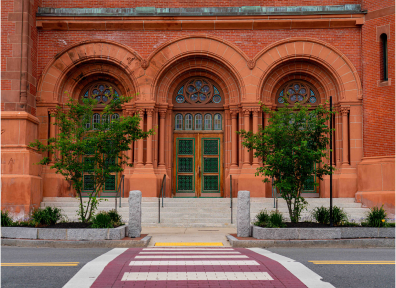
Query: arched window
point(198, 122)
point(217, 122)
point(198, 91)
point(208, 122)
point(298, 91)
point(95, 120)
point(102, 92)
point(188, 122)
point(115, 117)
point(384, 60)
point(179, 122)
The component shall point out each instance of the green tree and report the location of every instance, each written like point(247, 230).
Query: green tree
point(295, 140)
point(96, 149)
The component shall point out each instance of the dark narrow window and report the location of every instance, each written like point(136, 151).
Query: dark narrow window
point(384, 61)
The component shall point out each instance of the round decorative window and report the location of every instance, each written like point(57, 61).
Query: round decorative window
point(103, 92)
point(297, 91)
point(198, 91)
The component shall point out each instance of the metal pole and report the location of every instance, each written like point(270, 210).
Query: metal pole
point(231, 196)
point(159, 210)
point(163, 188)
point(331, 161)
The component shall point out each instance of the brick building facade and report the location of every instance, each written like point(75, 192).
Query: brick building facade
point(198, 71)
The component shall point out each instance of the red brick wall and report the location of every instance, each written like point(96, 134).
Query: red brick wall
point(189, 3)
point(251, 42)
point(378, 102)
point(376, 4)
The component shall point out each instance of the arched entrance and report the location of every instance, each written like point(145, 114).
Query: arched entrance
point(198, 138)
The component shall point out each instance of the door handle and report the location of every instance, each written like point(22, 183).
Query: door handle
point(199, 171)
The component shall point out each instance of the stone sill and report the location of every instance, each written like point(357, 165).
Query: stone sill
point(322, 233)
point(64, 234)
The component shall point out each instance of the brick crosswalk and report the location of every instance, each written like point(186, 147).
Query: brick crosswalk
point(194, 267)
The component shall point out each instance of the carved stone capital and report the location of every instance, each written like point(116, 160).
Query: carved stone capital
point(149, 112)
point(256, 112)
point(52, 111)
point(246, 111)
point(344, 110)
point(162, 113)
point(234, 114)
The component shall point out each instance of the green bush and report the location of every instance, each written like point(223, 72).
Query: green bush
point(102, 220)
point(115, 217)
point(262, 218)
point(376, 217)
point(321, 215)
point(276, 220)
point(339, 216)
point(46, 216)
point(6, 219)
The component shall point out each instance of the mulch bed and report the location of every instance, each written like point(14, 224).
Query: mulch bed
point(68, 225)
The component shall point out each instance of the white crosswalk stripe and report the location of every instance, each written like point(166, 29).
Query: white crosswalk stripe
point(190, 256)
point(194, 263)
point(194, 276)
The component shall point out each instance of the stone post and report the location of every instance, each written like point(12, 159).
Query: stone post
point(135, 214)
point(243, 214)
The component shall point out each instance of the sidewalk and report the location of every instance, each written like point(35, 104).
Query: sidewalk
point(188, 235)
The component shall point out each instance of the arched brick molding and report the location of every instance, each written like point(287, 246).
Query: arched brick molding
point(200, 46)
point(126, 63)
point(318, 53)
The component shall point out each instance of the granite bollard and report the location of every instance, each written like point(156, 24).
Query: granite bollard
point(135, 214)
point(243, 214)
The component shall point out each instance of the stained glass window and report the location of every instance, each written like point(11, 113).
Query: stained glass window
point(198, 91)
point(188, 122)
point(297, 91)
point(217, 122)
point(103, 92)
point(198, 122)
point(179, 122)
point(208, 122)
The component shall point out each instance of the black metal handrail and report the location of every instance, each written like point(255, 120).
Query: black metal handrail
point(163, 187)
point(119, 191)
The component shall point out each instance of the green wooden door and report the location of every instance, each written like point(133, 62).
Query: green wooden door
point(185, 165)
point(210, 151)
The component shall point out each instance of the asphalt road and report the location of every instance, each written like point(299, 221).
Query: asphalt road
point(43, 277)
point(347, 276)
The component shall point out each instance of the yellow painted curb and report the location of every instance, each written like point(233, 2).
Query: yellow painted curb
point(40, 264)
point(188, 244)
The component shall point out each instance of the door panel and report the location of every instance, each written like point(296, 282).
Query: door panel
point(198, 165)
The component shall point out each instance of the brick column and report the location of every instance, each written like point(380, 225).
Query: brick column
point(246, 122)
point(256, 112)
point(162, 114)
point(345, 135)
point(140, 141)
point(234, 142)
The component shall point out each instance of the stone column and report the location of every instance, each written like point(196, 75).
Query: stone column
point(52, 112)
point(345, 136)
point(234, 142)
point(149, 162)
point(243, 214)
point(256, 112)
point(135, 214)
point(140, 141)
point(130, 154)
point(162, 114)
point(246, 114)
point(266, 118)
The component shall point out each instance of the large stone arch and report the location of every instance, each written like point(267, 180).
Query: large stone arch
point(126, 64)
point(318, 53)
point(199, 46)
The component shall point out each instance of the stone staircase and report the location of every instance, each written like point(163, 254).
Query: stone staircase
point(202, 212)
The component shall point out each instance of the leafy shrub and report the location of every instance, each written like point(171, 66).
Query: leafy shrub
point(276, 220)
point(321, 215)
point(102, 220)
point(262, 218)
point(376, 217)
point(115, 217)
point(24, 223)
point(6, 219)
point(47, 216)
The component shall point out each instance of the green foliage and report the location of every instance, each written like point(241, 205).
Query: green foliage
point(376, 217)
point(262, 218)
point(105, 219)
point(321, 215)
point(295, 140)
point(6, 219)
point(276, 220)
point(339, 216)
point(24, 223)
point(86, 150)
point(47, 216)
